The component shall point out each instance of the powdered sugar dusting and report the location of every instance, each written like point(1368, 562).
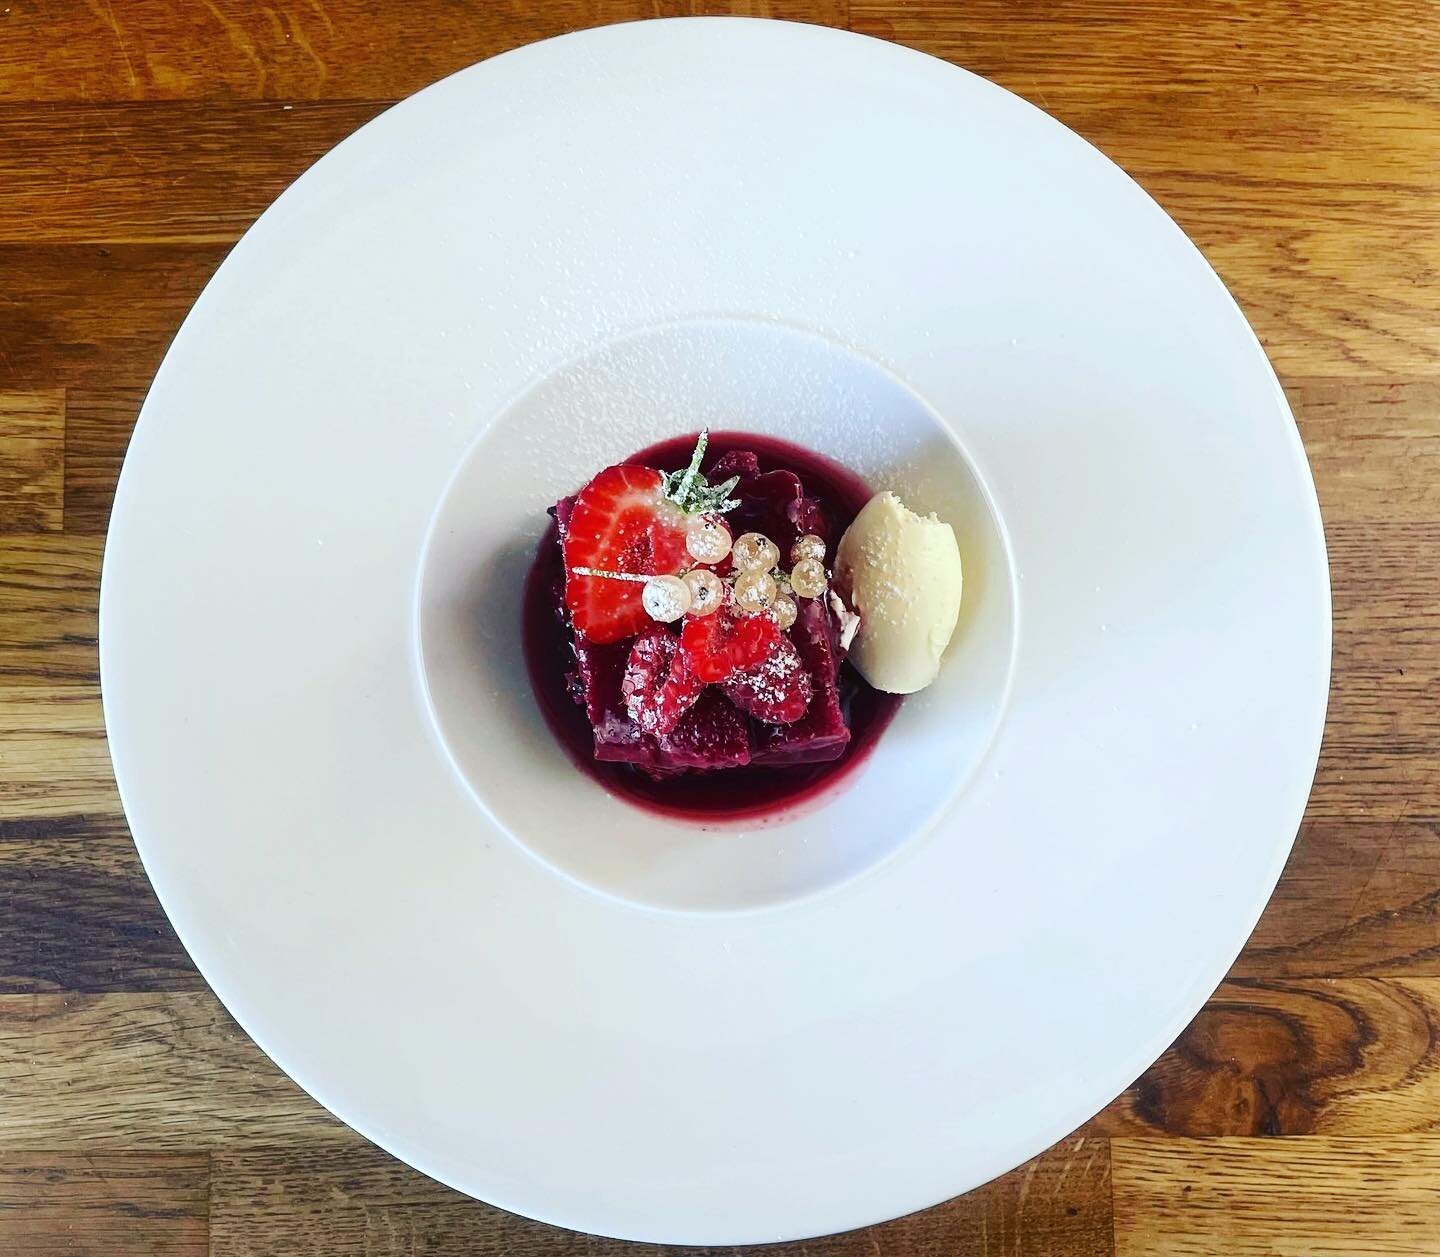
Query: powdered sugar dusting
point(665, 598)
point(774, 679)
point(645, 386)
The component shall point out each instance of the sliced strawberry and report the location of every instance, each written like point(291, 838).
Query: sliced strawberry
point(620, 523)
point(659, 686)
point(777, 690)
point(724, 643)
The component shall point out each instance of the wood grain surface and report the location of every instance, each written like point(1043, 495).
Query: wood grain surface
point(1300, 148)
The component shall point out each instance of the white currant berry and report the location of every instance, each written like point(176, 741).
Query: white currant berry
point(755, 552)
point(665, 598)
point(808, 547)
point(784, 610)
point(707, 591)
point(707, 539)
point(808, 578)
point(754, 591)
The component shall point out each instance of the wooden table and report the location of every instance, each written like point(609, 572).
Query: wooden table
point(1300, 148)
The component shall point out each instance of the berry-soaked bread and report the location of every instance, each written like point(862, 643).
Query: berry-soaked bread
point(772, 502)
point(670, 686)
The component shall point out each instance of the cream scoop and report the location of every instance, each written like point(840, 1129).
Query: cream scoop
point(901, 574)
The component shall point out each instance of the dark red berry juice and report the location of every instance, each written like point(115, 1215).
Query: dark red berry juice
point(755, 792)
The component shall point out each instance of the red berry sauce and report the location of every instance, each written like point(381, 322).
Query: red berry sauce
point(754, 793)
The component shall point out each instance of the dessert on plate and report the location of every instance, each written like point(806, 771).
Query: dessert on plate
point(722, 625)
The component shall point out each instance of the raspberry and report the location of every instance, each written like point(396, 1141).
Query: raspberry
point(777, 690)
point(659, 686)
point(723, 643)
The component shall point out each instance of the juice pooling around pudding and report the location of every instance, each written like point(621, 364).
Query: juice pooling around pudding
point(748, 792)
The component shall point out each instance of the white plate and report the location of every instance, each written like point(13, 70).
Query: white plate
point(348, 804)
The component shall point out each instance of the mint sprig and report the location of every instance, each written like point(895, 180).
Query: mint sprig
point(692, 493)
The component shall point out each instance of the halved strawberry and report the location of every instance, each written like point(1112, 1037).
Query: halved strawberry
point(621, 523)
